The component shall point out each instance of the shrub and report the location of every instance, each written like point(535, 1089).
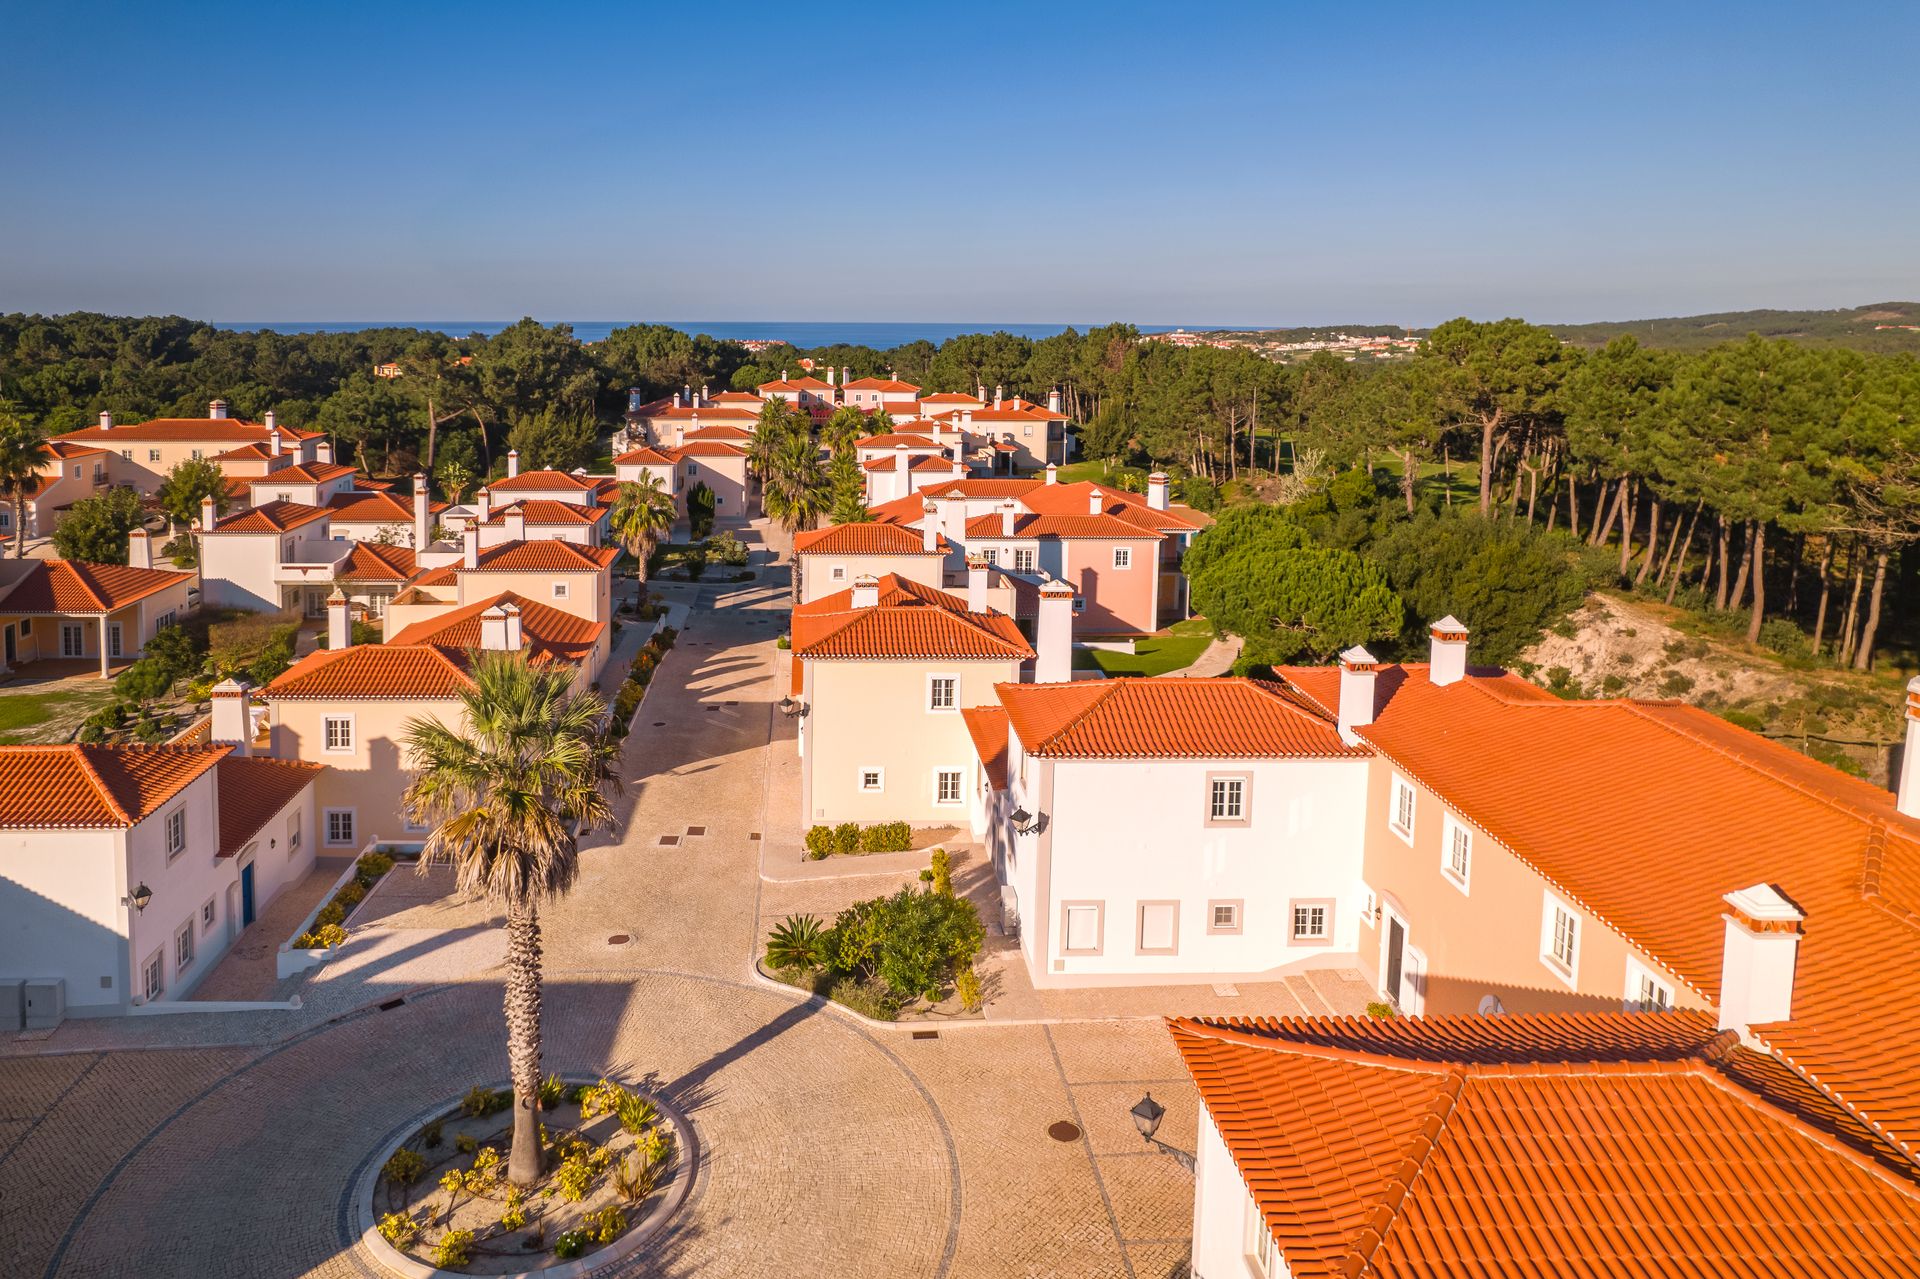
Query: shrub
point(603, 1098)
point(399, 1229)
point(404, 1166)
point(373, 865)
point(351, 894)
point(819, 842)
point(637, 1115)
point(942, 872)
point(325, 937)
point(695, 562)
point(604, 1225)
point(1676, 685)
point(430, 1136)
point(782, 643)
point(573, 1179)
point(514, 1214)
point(465, 1143)
point(912, 940)
point(553, 1091)
point(727, 549)
point(967, 986)
point(1785, 637)
point(480, 1102)
point(846, 837)
point(664, 637)
point(798, 941)
point(1744, 719)
point(331, 913)
point(868, 998)
point(454, 1249)
point(569, 1244)
point(887, 837)
point(1612, 684)
point(635, 1178)
point(1380, 1008)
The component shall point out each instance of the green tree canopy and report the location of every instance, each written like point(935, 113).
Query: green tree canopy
point(95, 529)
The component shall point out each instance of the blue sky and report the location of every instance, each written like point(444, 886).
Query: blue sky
point(1168, 163)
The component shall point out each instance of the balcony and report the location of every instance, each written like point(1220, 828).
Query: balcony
point(312, 562)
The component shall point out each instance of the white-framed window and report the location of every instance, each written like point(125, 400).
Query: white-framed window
point(127, 454)
point(873, 779)
point(1079, 604)
point(196, 456)
point(293, 833)
point(1224, 917)
point(283, 497)
point(153, 455)
point(338, 733)
point(1123, 557)
point(560, 590)
point(1159, 928)
point(1400, 810)
point(1081, 927)
point(1025, 559)
point(1456, 852)
point(1261, 1254)
point(73, 640)
point(340, 825)
point(838, 573)
point(208, 913)
point(153, 975)
point(946, 786)
point(113, 639)
point(166, 619)
point(176, 832)
point(1312, 921)
point(943, 692)
point(1559, 938)
point(1226, 800)
point(1647, 991)
point(183, 947)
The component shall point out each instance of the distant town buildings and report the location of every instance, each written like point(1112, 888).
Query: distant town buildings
point(1350, 346)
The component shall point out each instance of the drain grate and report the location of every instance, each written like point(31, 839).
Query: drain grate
point(1062, 1130)
point(755, 836)
point(659, 723)
point(926, 1034)
point(696, 830)
point(619, 939)
point(668, 841)
point(392, 1004)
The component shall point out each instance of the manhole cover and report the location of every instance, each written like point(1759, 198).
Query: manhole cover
point(659, 723)
point(619, 939)
point(755, 835)
point(668, 841)
point(696, 830)
point(1063, 1131)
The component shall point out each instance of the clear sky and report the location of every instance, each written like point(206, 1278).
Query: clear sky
point(1195, 163)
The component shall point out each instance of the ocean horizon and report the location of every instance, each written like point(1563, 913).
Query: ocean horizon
point(880, 335)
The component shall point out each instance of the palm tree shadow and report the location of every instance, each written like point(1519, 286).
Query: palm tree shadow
point(694, 1089)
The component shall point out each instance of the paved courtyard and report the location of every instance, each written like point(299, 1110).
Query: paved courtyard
point(222, 1144)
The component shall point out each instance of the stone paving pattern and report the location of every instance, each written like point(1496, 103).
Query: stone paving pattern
point(216, 1145)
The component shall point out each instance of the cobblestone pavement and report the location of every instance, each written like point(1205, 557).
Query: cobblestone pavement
point(830, 1147)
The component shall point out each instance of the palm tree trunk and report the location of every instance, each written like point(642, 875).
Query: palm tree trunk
point(523, 1040)
point(1863, 656)
point(19, 523)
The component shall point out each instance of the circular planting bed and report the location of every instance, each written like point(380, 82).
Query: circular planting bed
point(617, 1164)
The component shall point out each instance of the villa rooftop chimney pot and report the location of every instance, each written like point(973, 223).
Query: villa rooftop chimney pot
point(1908, 796)
point(1760, 949)
point(513, 463)
point(339, 624)
point(1007, 512)
point(1447, 655)
point(106, 419)
point(217, 410)
point(1157, 491)
point(866, 591)
point(929, 526)
point(1359, 671)
point(1053, 634)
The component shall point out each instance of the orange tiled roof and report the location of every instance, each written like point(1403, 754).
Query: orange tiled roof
point(865, 539)
point(892, 440)
point(951, 397)
point(1069, 527)
point(1615, 790)
point(687, 413)
point(797, 384)
point(90, 787)
point(183, 430)
point(646, 456)
point(539, 482)
point(881, 384)
point(906, 510)
point(63, 451)
point(375, 507)
point(387, 672)
point(730, 434)
point(271, 517)
point(709, 448)
point(910, 620)
point(301, 473)
point(68, 586)
point(987, 725)
point(375, 562)
point(550, 634)
point(543, 555)
point(915, 462)
point(252, 791)
point(541, 510)
point(1017, 410)
point(363, 484)
point(1169, 719)
point(247, 453)
point(1072, 499)
point(1586, 1146)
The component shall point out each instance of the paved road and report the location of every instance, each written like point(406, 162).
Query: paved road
point(832, 1148)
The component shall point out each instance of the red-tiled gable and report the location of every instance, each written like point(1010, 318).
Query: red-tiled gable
point(271, 517)
point(247, 453)
point(864, 539)
point(1168, 719)
point(1101, 527)
point(551, 635)
point(726, 434)
point(915, 462)
point(894, 439)
point(374, 562)
point(737, 397)
point(544, 555)
point(442, 576)
point(1601, 797)
point(910, 620)
point(710, 448)
point(1565, 1146)
point(1074, 499)
point(366, 485)
point(301, 473)
point(1017, 410)
point(69, 586)
point(183, 430)
point(65, 451)
point(387, 672)
point(796, 384)
point(539, 482)
point(987, 725)
point(711, 413)
point(548, 511)
point(252, 791)
point(646, 456)
point(375, 508)
point(882, 384)
point(89, 787)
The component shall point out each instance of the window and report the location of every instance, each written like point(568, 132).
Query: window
point(127, 453)
point(73, 640)
point(26, 626)
point(207, 914)
point(166, 619)
point(153, 976)
point(183, 947)
point(1260, 1250)
point(1400, 815)
point(943, 692)
point(1227, 798)
point(873, 779)
point(339, 825)
point(1159, 929)
point(1025, 559)
point(1646, 992)
point(1559, 938)
point(153, 455)
point(1123, 557)
point(1223, 917)
point(1313, 921)
point(293, 833)
point(1456, 851)
point(76, 472)
point(839, 573)
point(339, 732)
point(113, 639)
point(1080, 926)
point(559, 590)
point(1079, 604)
point(176, 833)
point(196, 456)
point(946, 786)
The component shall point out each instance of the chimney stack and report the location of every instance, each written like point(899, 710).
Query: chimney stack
point(1157, 491)
point(269, 423)
point(483, 503)
point(1756, 966)
point(1908, 797)
point(1053, 473)
point(422, 525)
point(929, 527)
point(1053, 635)
point(998, 395)
point(1358, 670)
point(339, 625)
point(470, 545)
point(1007, 510)
point(866, 591)
point(513, 463)
point(494, 631)
point(976, 583)
point(1054, 402)
point(1447, 656)
point(515, 518)
point(273, 440)
point(1096, 500)
point(953, 519)
point(323, 450)
point(900, 461)
point(139, 549)
point(232, 717)
point(217, 410)
point(980, 393)
point(207, 515)
point(106, 419)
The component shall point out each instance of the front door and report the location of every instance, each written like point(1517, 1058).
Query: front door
point(73, 640)
point(113, 639)
point(1396, 948)
point(246, 895)
point(233, 912)
point(11, 657)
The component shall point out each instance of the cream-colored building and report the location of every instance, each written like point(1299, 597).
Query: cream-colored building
point(61, 609)
point(142, 453)
point(831, 559)
point(70, 473)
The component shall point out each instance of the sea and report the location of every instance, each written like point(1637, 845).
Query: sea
point(880, 336)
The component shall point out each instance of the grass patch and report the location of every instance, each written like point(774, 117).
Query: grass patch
point(1155, 655)
point(35, 718)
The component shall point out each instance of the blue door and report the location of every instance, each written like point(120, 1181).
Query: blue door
point(246, 894)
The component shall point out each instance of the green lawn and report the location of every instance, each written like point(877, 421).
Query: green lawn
point(28, 718)
point(1155, 655)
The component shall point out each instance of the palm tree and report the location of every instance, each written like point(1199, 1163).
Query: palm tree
point(642, 515)
point(23, 451)
point(796, 491)
point(776, 424)
point(508, 797)
point(844, 428)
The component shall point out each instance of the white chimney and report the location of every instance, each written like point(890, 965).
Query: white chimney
point(1007, 510)
point(513, 463)
point(217, 410)
point(232, 718)
point(976, 583)
point(1053, 473)
point(483, 503)
point(704, 396)
point(493, 629)
point(323, 450)
point(980, 393)
point(953, 519)
point(1096, 500)
point(470, 545)
point(106, 419)
point(207, 515)
point(515, 638)
point(268, 422)
point(1756, 967)
point(1447, 657)
point(516, 522)
point(1157, 491)
point(339, 625)
point(866, 591)
point(1907, 798)
point(679, 400)
point(900, 465)
point(139, 549)
point(996, 395)
point(929, 526)
point(959, 469)
point(829, 375)
point(273, 440)
point(1358, 670)
point(1053, 402)
point(1053, 635)
point(422, 525)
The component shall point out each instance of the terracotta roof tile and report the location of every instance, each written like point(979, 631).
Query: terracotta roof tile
point(252, 791)
point(445, 575)
point(864, 539)
point(892, 440)
point(301, 473)
point(375, 507)
point(64, 451)
point(547, 511)
point(987, 725)
point(1073, 499)
point(709, 448)
point(910, 620)
point(271, 517)
point(1067, 527)
point(389, 672)
point(729, 434)
point(374, 562)
point(915, 462)
point(539, 482)
point(1169, 719)
point(544, 555)
point(183, 430)
point(87, 787)
point(68, 586)
point(881, 384)
point(550, 633)
point(646, 456)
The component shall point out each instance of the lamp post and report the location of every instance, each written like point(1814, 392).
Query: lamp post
point(792, 708)
point(140, 896)
point(1147, 1114)
point(1024, 823)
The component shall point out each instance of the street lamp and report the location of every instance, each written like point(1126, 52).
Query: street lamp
point(1147, 1114)
point(1024, 823)
point(141, 896)
point(792, 708)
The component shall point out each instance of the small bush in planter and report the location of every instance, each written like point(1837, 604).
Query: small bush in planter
point(941, 873)
point(553, 1090)
point(404, 1167)
point(798, 941)
point(454, 1249)
point(485, 1101)
point(569, 1244)
point(351, 895)
point(846, 837)
point(887, 837)
point(819, 842)
point(604, 1225)
point(372, 866)
point(967, 986)
point(399, 1229)
point(331, 913)
point(514, 1214)
point(325, 937)
point(430, 1136)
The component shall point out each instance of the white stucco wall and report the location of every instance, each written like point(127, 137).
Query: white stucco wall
point(60, 896)
point(1223, 1214)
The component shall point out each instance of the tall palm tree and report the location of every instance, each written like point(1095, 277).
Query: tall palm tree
point(844, 429)
point(508, 796)
point(23, 451)
point(642, 514)
point(777, 423)
point(796, 491)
